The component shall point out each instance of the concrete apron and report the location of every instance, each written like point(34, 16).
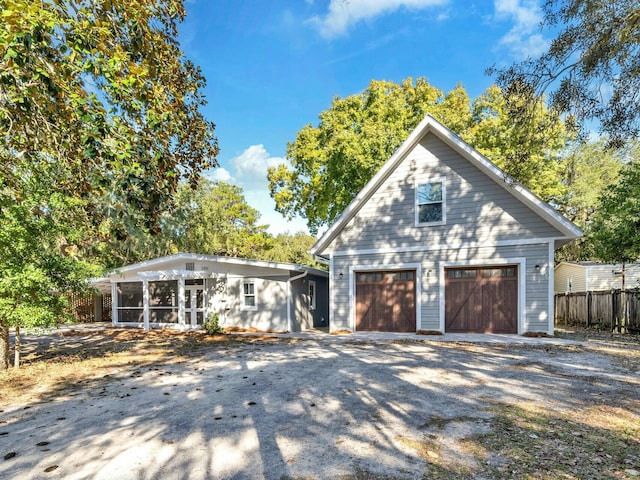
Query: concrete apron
point(319, 335)
point(323, 336)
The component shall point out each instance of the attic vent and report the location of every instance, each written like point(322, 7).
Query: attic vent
point(190, 266)
point(204, 268)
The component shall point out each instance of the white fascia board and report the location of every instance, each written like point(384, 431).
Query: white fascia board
point(289, 267)
point(434, 248)
point(566, 227)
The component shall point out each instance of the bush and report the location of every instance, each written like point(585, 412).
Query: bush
point(212, 324)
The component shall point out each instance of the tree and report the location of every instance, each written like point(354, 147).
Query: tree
point(614, 231)
point(37, 262)
point(588, 169)
point(530, 155)
point(330, 163)
point(291, 249)
point(591, 69)
point(96, 98)
point(215, 219)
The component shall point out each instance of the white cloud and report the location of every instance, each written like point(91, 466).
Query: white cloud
point(344, 13)
point(524, 39)
point(220, 174)
point(254, 162)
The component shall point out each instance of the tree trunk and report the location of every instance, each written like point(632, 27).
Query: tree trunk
point(16, 359)
point(4, 346)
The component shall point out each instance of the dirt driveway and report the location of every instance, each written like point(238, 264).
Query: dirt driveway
point(336, 408)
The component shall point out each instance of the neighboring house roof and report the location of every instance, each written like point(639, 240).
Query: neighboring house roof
point(429, 124)
point(592, 263)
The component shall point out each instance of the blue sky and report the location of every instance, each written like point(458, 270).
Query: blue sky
point(273, 65)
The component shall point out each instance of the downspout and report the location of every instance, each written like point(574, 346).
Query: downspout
point(290, 299)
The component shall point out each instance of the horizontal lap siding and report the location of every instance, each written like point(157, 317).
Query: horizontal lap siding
point(601, 277)
point(477, 208)
point(567, 273)
point(271, 295)
point(536, 290)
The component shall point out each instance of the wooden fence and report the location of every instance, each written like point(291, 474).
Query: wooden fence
point(612, 309)
point(88, 308)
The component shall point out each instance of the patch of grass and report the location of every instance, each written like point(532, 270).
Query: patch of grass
point(596, 335)
point(75, 358)
point(527, 441)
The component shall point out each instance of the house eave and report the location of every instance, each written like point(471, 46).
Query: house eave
point(195, 257)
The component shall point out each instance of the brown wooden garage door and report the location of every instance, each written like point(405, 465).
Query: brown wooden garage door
point(386, 301)
point(481, 300)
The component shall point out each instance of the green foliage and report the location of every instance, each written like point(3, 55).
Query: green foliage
point(332, 162)
point(591, 67)
point(588, 169)
point(615, 229)
point(99, 122)
point(215, 219)
point(212, 324)
point(101, 93)
point(292, 249)
point(528, 151)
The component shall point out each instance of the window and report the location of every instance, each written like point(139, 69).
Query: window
point(403, 276)
point(460, 273)
point(190, 266)
point(430, 203)
point(130, 302)
point(312, 295)
point(163, 301)
point(249, 301)
point(370, 277)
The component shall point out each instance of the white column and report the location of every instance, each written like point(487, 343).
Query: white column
point(114, 304)
point(181, 301)
point(145, 302)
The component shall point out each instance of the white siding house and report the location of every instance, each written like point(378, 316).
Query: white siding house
point(594, 276)
point(442, 240)
point(182, 290)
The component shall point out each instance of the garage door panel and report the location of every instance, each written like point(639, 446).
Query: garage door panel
point(385, 301)
point(481, 299)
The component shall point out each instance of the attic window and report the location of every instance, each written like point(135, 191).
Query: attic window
point(190, 266)
point(430, 203)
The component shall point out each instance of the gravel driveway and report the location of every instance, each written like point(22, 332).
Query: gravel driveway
point(315, 408)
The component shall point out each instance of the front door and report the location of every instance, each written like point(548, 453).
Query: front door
point(194, 304)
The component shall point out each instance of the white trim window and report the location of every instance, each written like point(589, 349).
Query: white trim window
point(312, 295)
point(430, 203)
point(249, 297)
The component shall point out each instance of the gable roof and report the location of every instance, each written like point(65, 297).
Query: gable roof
point(431, 125)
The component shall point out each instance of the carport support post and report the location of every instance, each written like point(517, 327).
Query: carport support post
point(181, 301)
point(145, 303)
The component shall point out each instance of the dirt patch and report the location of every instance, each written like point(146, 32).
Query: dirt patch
point(129, 404)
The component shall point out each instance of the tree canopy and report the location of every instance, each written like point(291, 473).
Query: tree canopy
point(591, 69)
point(215, 219)
point(99, 122)
point(615, 229)
point(331, 162)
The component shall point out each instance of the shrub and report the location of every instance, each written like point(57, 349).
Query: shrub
point(212, 324)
